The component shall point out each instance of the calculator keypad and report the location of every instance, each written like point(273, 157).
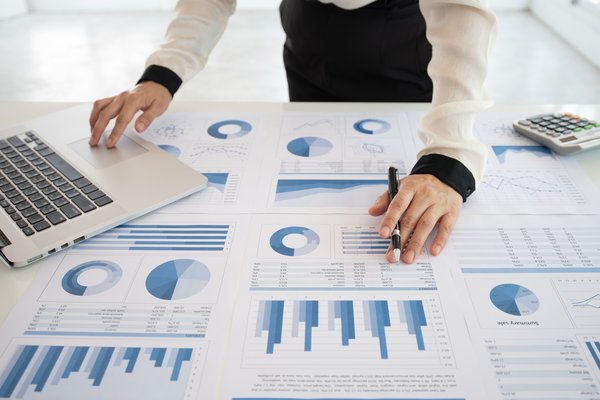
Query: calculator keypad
point(556, 125)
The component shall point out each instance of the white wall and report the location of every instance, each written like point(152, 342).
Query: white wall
point(578, 25)
point(11, 8)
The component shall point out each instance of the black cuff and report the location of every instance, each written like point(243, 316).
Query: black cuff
point(163, 76)
point(448, 170)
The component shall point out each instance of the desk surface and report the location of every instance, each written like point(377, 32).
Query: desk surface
point(14, 282)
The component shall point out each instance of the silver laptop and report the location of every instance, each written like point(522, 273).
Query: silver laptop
point(56, 191)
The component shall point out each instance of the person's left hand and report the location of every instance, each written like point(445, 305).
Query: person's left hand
point(422, 202)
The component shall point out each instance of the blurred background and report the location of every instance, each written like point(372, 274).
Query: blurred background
point(81, 50)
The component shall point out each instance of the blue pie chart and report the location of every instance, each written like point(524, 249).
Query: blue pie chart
point(172, 150)
point(514, 299)
point(220, 130)
point(71, 280)
point(309, 146)
point(372, 126)
point(177, 279)
point(311, 238)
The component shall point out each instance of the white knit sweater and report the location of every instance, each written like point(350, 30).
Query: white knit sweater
point(461, 33)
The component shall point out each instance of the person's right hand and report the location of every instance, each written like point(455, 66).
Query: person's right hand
point(149, 97)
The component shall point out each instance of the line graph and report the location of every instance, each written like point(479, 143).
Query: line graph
point(528, 184)
point(581, 298)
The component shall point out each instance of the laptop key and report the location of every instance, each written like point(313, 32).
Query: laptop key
point(22, 223)
point(61, 201)
point(28, 231)
point(82, 182)
point(55, 218)
point(102, 201)
point(15, 141)
point(35, 218)
point(95, 195)
point(40, 226)
point(63, 167)
point(84, 204)
point(70, 210)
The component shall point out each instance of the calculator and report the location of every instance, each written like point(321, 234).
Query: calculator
point(563, 133)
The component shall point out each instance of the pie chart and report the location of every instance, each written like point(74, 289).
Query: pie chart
point(514, 299)
point(371, 126)
point(103, 274)
point(310, 238)
point(229, 129)
point(177, 279)
point(309, 146)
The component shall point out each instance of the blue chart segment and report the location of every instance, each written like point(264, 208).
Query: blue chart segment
point(80, 372)
point(311, 241)
point(376, 317)
point(327, 192)
point(594, 349)
point(172, 150)
point(177, 279)
point(139, 237)
point(219, 129)
point(501, 152)
point(112, 275)
point(217, 180)
point(309, 146)
point(364, 242)
point(372, 126)
point(514, 299)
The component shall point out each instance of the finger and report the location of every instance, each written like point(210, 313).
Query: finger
point(380, 205)
point(389, 254)
point(446, 224)
point(424, 227)
point(98, 106)
point(123, 119)
point(412, 215)
point(108, 113)
point(148, 116)
point(396, 208)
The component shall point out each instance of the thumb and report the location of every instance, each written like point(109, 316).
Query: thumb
point(146, 118)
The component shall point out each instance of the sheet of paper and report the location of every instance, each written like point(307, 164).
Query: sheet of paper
point(141, 311)
point(530, 292)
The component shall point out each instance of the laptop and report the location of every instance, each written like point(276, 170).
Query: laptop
point(56, 190)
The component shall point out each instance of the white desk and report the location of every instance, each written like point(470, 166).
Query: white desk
point(14, 282)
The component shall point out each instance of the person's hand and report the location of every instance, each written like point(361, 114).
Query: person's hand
point(149, 97)
point(422, 202)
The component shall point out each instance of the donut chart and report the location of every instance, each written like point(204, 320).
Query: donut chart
point(514, 299)
point(310, 146)
point(172, 150)
point(177, 279)
point(71, 284)
point(312, 241)
point(216, 129)
point(372, 126)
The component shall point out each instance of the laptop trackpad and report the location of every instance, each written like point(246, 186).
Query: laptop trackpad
point(101, 157)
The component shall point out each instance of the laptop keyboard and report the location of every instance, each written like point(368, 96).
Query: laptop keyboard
point(39, 188)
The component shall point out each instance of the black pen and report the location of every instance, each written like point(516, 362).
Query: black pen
point(392, 191)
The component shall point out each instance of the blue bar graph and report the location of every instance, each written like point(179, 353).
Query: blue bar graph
point(133, 237)
point(340, 316)
point(57, 370)
point(363, 242)
point(412, 313)
point(594, 349)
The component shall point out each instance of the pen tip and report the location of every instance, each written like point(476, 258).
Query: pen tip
point(397, 255)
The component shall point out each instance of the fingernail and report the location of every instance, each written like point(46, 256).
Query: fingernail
point(140, 126)
point(410, 256)
point(385, 232)
point(435, 249)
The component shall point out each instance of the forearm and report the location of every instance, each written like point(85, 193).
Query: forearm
point(461, 33)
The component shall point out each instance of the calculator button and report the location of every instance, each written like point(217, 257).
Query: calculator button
point(552, 126)
point(555, 120)
point(524, 122)
point(588, 127)
point(571, 126)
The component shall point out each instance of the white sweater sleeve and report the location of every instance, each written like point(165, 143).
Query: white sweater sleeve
point(461, 33)
point(191, 36)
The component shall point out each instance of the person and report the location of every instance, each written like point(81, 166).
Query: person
point(355, 50)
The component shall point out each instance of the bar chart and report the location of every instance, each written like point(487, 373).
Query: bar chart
point(160, 237)
point(340, 331)
point(95, 372)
